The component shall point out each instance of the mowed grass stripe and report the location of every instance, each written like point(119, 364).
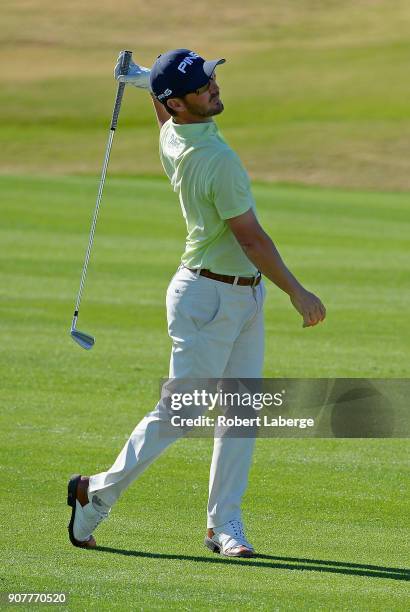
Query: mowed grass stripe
point(140, 236)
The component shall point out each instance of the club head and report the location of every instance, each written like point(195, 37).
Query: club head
point(84, 340)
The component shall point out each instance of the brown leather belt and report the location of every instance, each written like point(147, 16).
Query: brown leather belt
point(225, 278)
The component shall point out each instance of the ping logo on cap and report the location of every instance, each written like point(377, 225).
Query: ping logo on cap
point(165, 94)
point(187, 61)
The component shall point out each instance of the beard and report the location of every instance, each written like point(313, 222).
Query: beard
point(200, 111)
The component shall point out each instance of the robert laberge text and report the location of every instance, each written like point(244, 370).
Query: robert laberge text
point(236, 421)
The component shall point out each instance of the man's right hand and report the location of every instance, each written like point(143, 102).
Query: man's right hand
point(309, 306)
point(137, 75)
point(261, 251)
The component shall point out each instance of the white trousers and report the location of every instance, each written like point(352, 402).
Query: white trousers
point(217, 332)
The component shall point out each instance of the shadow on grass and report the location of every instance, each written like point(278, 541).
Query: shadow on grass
point(287, 563)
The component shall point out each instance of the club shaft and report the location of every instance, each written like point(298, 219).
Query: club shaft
point(117, 105)
point(94, 221)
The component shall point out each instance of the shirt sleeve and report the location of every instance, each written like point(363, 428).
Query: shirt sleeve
point(163, 134)
point(230, 187)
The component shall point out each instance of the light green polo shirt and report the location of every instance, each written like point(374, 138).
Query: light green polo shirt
point(212, 186)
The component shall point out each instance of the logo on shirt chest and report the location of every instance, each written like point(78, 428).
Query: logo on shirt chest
point(175, 144)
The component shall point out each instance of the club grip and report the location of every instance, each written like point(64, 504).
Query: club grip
point(126, 58)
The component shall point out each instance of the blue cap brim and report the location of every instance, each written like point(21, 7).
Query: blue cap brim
point(210, 66)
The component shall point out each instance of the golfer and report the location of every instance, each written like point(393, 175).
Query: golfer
point(214, 301)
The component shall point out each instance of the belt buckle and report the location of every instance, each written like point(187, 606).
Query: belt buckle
point(255, 280)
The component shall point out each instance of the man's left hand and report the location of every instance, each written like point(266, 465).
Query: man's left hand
point(137, 75)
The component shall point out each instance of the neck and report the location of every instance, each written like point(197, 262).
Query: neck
point(191, 119)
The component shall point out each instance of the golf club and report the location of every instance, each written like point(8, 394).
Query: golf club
point(86, 340)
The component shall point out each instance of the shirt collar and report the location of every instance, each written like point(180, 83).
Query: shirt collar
point(190, 131)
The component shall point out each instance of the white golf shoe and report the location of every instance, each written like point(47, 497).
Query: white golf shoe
point(229, 540)
point(85, 515)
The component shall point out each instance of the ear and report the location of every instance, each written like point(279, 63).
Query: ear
point(176, 104)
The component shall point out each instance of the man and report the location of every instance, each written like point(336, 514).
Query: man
point(214, 301)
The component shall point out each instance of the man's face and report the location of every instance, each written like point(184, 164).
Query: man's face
point(205, 102)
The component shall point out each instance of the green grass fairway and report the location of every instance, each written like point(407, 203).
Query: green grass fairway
point(316, 91)
point(328, 517)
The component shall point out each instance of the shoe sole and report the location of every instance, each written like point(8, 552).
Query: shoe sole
point(71, 501)
point(216, 548)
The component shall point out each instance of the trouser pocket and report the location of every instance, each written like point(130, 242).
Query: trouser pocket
point(192, 304)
